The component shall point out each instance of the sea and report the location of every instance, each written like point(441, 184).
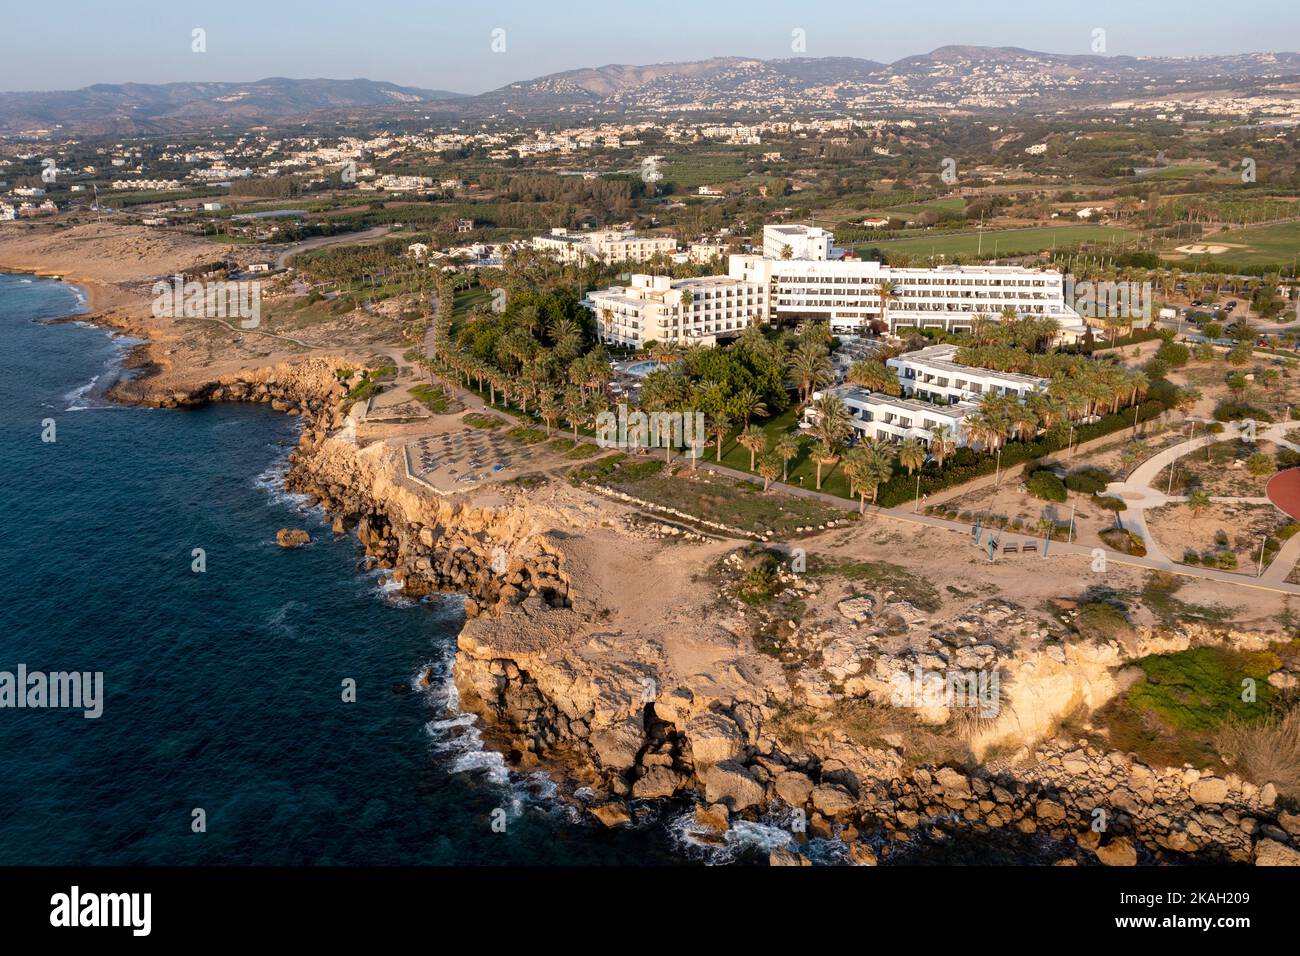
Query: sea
point(260, 705)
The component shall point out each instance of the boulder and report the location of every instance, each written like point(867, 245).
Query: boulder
point(832, 801)
point(1118, 852)
point(793, 787)
point(1210, 790)
point(1049, 811)
point(617, 746)
point(730, 783)
point(862, 855)
point(785, 857)
point(1273, 853)
point(714, 738)
point(657, 782)
point(292, 538)
point(713, 816)
point(612, 814)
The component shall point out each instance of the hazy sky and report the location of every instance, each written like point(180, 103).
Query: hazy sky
point(447, 45)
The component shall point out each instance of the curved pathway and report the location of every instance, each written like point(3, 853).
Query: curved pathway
point(1139, 495)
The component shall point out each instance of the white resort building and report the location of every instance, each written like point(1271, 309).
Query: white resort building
point(933, 374)
point(606, 245)
point(886, 418)
point(936, 391)
point(658, 309)
point(813, 284)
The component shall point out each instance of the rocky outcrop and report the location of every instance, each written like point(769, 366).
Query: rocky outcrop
point(292, 538)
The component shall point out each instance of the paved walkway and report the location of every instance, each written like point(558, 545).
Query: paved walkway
point(1139, 495)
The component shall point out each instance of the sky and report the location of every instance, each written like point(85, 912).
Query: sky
point(449, 44)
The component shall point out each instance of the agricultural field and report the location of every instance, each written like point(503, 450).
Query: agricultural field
point(1005, 242)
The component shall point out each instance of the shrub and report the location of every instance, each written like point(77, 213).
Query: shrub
point(1191, 557)
point(1264, 752)
point(1088, 481)
point(1173, 353)
point(1124, 541)
point(1101, 621)
point(1045, 485)
point(1109, 503)
point(1286, 458)
point(1259, 464)
point(1231, 411)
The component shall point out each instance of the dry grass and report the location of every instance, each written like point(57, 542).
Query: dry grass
point(1264, 752)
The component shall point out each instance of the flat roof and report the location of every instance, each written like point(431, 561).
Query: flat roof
point(943, 361)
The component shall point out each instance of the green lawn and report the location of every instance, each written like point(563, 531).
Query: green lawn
point(1252, 246)
point(1004, 242)
point(736, 456)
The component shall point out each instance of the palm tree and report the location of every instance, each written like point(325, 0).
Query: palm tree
point(831, 427)
point(881, 469)
point(1022, 420)
point(721, 425)
point(809, 367)
point(787, 449)
point(823, 454)
point(856, 464)
point(755, 440)
point(769, 467)
point(748, 403)
point(888, 292)
point(874, 376)
point(549, 409)
point(911, 454)
point(942, 444)
point(575, 406)
point(1198, 500)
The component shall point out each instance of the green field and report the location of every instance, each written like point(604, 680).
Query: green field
point(687, 172)
point(955, 204)
point(1004, 242)
point(1253, 246)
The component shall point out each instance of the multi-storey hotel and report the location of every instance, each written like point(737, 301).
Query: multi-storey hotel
point(933, 374)
point(936, 391)
point(810, 284)
point(887, 418)
point(608, 245)
point(661, 309)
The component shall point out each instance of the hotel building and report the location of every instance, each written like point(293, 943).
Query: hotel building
point(936, 391)
point(880, 417)
point(652, 309)
point(933, 374)
point(607, 245)
point(811, 284)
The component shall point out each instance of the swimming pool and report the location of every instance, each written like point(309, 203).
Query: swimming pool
point(642, 369)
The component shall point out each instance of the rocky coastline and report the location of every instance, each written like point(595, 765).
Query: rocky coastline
point(625, 735)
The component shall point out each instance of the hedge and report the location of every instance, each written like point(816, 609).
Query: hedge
point(966, 465)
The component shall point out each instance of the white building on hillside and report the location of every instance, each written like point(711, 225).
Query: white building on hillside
point(933, 374)
point(660, 309)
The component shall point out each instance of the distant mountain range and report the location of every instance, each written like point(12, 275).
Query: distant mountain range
point(144, 107)
point(955, 77)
